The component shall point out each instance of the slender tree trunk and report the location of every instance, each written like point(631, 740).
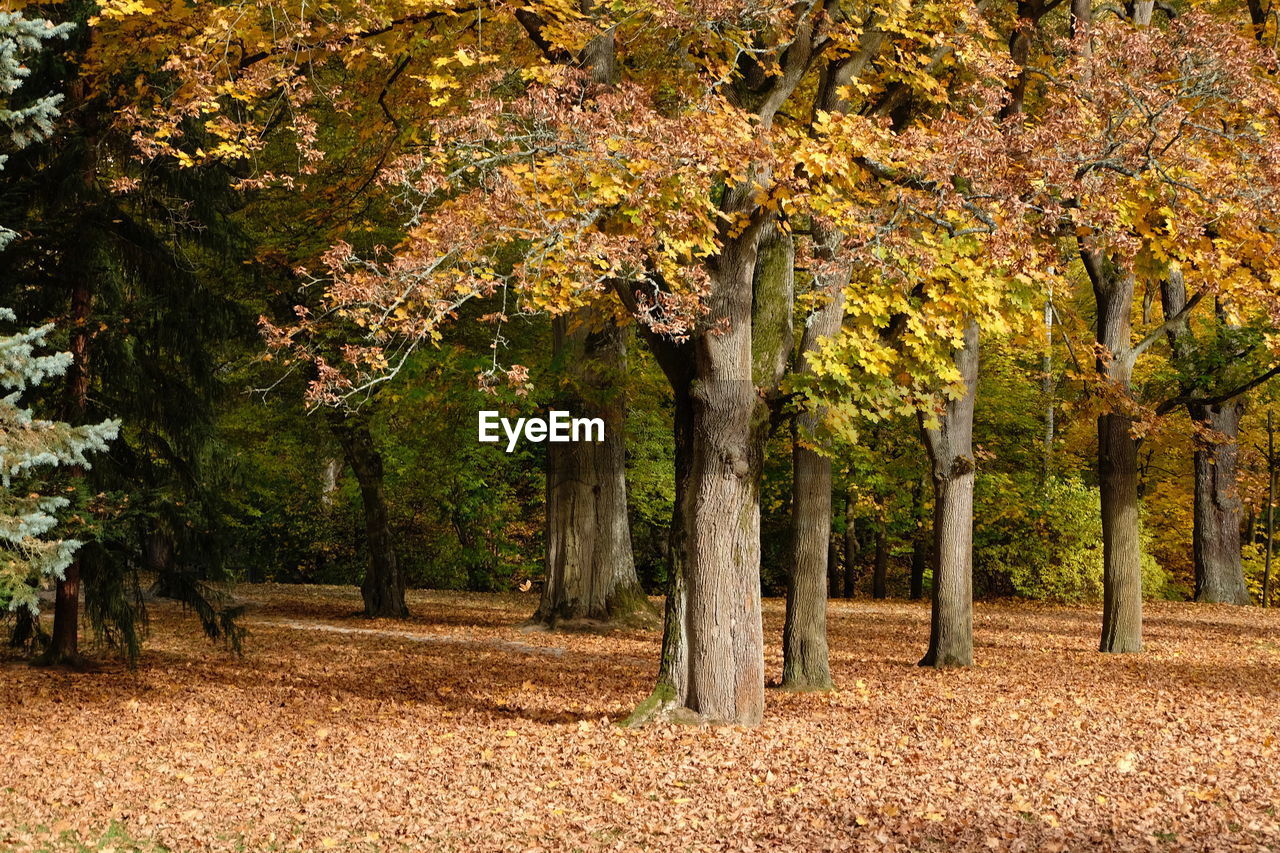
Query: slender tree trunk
point(833, 568)
point(880, 574)
point(383, 586)
point(804, 637)
point(1117, 462)
point(1216, 531)
point(950, 446)
point(1271, 508)
point(64, 645)
point(1216, 516)
point(851, 551)
point(919, 542)
point(590, 569)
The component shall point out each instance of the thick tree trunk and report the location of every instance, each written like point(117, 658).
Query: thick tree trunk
point(804, 637)
point(1216, 533)
point(726, 640)
point(383, 586)
point(64, 645)
point(1117, 462)
point(950, 446)
point(590, 569)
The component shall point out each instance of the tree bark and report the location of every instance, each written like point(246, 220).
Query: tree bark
point(712, 665)
point(805, 664)
point(1113, 290)
point(950, 446)
point(1215, 534)
point(1216, 531)
point(590, 570)
point(383, 585)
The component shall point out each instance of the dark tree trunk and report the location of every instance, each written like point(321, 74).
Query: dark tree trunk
point(1117, 461)
point(383, 586)
point(919, 562)
point(880, 573)
point(950, 446)
point(590, 570)
point(805, 663)
point(64, 645)
point(919, 545)
point(1216, 532)
point(851, 555)
point(833, 569)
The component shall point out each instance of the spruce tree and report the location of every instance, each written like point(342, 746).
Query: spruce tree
point(28, 557)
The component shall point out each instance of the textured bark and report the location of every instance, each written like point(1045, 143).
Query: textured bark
point(383, 585)
point(712, 665)
point(590, 569)
point(950, 446)
point(805, 664)
point(804, 633)
point(1216, 532)
point(1117, 461)
point(1215, 536)
point(726, 640)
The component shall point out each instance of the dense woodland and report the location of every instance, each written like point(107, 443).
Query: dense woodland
point(877, 299)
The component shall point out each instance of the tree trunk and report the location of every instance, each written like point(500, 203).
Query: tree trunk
point(1271, 509)
point(950, 446)
point(804, 637)
point(833, 569)
point(64, 645)
point(850, 546)
point(880, 574)
point(383, 586)
point(1216, 532)
point(919, 544)
point(1117, 462)
point(1216, 516)
point(726, 640)
point(804, 634)
point(590, 569)
point(712, 665)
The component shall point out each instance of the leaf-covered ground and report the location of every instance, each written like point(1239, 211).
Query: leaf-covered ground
point(457, 731)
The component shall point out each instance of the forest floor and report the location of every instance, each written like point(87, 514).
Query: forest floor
point(458, 731)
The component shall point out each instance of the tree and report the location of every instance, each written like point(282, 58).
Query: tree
point(30, 443)
point(1153, 150)
point(590, 568)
